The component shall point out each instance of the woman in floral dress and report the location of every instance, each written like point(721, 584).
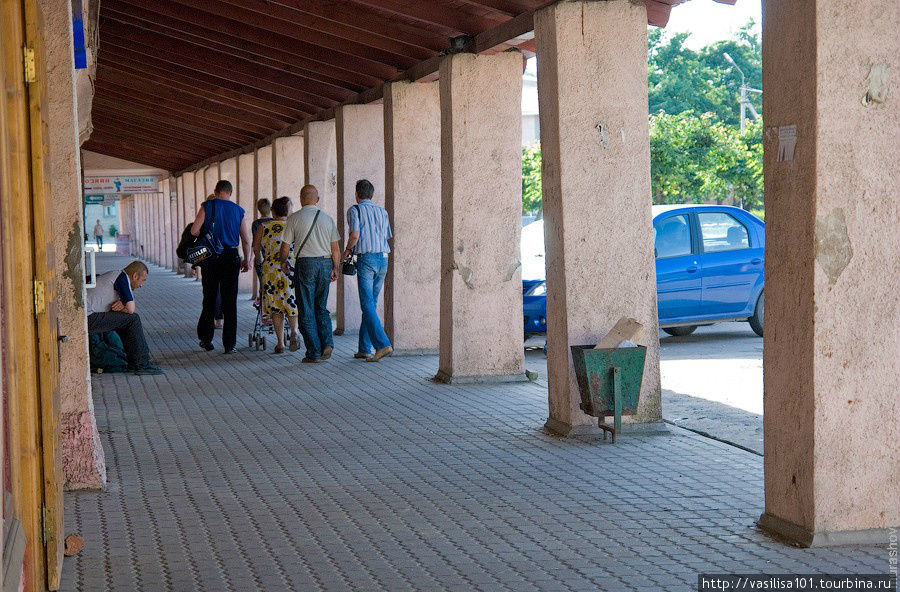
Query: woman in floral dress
point(277, 294)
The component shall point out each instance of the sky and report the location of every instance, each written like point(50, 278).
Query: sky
point(709, 21)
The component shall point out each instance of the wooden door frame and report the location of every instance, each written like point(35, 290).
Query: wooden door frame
point(31, 367)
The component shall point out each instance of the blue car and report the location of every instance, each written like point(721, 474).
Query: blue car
point(709, 269)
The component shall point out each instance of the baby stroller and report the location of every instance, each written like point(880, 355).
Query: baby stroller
point(261, 329)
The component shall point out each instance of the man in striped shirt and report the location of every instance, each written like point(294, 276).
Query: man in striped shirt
point(370, 230)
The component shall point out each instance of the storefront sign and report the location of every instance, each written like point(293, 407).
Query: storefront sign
point(112, 185)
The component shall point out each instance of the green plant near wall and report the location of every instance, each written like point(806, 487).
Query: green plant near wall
point(113, 231)
point(531, 180)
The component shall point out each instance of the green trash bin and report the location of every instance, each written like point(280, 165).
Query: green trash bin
point(609, 381)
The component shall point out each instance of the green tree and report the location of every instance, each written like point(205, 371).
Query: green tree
point(531, 180)
point(698, 159)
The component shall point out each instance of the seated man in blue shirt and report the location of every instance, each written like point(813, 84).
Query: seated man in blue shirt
point(110, 306)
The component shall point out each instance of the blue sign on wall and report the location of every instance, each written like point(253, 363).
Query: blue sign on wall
point(78, 42)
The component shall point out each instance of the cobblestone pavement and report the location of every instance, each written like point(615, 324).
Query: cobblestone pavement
point(254, 472)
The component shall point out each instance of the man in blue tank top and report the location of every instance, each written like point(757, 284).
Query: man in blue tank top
point(225, 220)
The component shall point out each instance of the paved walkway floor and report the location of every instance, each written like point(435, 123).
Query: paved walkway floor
point(254, 472)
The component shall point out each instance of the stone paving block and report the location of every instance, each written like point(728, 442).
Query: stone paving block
point(253, 472)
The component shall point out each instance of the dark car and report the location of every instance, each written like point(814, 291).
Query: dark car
point(709, 269)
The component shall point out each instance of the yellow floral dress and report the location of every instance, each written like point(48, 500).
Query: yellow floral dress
point(278, 294)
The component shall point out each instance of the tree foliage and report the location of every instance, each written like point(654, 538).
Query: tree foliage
point(698, 154)
point(531, 180)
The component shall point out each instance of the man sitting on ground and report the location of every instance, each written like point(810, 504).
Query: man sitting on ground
point(110, 306)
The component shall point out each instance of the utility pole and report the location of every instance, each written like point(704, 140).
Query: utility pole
point(745, 101)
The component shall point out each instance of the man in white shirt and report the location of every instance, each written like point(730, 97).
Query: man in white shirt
point(316, 243)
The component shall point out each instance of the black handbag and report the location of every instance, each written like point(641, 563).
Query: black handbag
point(348, 266)
point(207, 248)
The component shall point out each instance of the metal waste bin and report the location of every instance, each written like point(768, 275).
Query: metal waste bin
point(609, 381)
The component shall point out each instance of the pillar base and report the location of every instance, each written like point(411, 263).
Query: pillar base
point(445, 378)
point(798, 535)
point(415, 352)
point(556, 427)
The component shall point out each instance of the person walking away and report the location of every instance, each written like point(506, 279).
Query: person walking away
point(315, 241)
point(229, 226)
point(370, 230)
point(264, 208)
point(278, 298)
point(110, 306)
point(98, 235)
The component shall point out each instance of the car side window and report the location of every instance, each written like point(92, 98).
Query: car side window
point(673, 236)
point(722, 232)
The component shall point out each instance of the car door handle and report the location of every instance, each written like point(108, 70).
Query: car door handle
point(756, 261)
point(692, 269)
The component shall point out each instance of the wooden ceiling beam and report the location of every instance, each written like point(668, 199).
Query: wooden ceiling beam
point(452, 18)
point(139, 147)
point(162, 135)
point(187, 84)
point(156, 162)
point(323, 34)
point(113, 108)
point(222, 66)
point(153, 103)
point(232, 38)
point(152, 106)
point(229, 90)
point(369, 22)
point(236, 114)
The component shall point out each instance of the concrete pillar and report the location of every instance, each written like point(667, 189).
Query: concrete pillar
point(288, 175)
point(82, 452)
point(321, 171)
point(481, 173)
point(168, 232)
point(228, 171)
point(264, 186)
point(178, 217)
point(832, 345)
point(596, 183)
point(155, 231)
point(211, 176)
point(359, 133)
point(246, 193)
point(190, 211)
point(412, 154)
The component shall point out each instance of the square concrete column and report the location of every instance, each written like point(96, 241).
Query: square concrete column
point(598, 227)
point(82, 452)
point(199, 189)
point(360, 155)
point(211, 176)
point(168, 251)
point(412, 154)
point(481, 176)
point(228, 171)
point(189, 202)
point(246, 198)
point(288, 174)
point(156, 223)
point(832, 336)
point(321, 171)
point(264, 185)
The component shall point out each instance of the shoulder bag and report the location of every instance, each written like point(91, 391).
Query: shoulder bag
point(207, 248)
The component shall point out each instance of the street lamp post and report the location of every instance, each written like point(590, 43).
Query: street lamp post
point(745, 101)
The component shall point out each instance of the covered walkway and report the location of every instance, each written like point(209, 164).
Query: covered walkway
point(254, 472)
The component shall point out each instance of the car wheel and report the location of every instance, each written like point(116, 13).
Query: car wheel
point(680, 331)
point(756, 321)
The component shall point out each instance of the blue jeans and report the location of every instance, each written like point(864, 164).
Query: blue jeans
point(312, 280)
point(371, 268)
